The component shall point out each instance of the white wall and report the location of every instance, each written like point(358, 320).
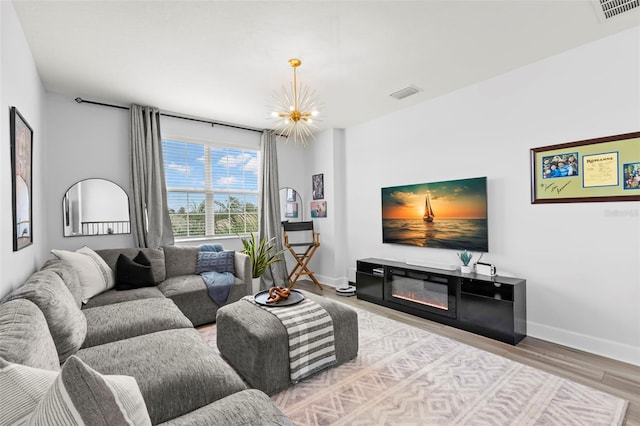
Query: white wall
point(90, 141)
point(83, 141)
point(581, 260)
point(20, 86)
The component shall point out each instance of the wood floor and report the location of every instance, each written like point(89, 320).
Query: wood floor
point(605, 374)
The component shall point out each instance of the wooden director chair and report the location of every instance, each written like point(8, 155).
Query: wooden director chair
point(302, 241)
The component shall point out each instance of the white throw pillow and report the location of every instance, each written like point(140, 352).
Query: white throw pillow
point(81, 395)
point(21, 389)
point(93, 272)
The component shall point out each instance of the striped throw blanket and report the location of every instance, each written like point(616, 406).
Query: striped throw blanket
point(311, 338)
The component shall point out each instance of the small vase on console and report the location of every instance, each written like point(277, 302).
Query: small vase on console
point(465, 258)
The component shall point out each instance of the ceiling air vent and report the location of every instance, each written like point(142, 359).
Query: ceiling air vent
point(407, 91)
point(607, 9)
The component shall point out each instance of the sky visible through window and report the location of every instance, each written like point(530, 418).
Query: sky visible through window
point(202, 180)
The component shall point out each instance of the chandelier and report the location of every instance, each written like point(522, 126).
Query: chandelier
point(295, 109)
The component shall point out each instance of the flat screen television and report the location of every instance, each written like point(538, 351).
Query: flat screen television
point(449, 215)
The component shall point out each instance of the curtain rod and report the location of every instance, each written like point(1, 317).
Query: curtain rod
point(166, 114)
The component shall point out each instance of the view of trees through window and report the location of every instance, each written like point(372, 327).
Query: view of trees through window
point(211, 190)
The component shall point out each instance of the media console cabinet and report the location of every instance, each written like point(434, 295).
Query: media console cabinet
point(494, 307)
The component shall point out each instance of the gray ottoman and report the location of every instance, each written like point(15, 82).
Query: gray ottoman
point(256, 344)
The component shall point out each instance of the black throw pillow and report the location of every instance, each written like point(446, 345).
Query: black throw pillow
point(133, 273)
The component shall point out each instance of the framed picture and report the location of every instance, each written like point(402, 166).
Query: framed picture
point(291, 195)
point(21, 174)
point(318, 209)
point(601, 169)
point(291, 210)
point(317, 182)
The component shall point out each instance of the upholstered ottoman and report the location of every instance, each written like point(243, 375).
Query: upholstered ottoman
point(255, 343)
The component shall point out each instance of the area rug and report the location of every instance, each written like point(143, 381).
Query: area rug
point(408, 376)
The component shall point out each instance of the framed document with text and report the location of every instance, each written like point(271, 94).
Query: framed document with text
point(601, 169)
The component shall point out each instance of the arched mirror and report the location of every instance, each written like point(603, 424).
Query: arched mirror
point(95, 207)
point(291, 206)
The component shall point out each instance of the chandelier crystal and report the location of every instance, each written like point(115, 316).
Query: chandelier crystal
point(295, 110)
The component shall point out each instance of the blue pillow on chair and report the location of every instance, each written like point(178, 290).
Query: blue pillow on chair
point(218, 261)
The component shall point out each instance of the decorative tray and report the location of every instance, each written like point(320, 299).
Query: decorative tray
point(294, 297)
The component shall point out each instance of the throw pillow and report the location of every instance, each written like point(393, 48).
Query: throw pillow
point(21, 388)
point(81, 395)
point(133, 273)
point(220, 261)
point(94, 273)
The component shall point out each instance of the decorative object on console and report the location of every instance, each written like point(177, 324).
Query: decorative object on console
point(601, 169)
point(449, 215)
point(21, 174)
point(465, 258)
point(431, 264)
point(485, 269)
point(294, 109)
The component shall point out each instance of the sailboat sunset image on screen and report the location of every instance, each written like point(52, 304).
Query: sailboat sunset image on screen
point(449, 215)
point(428, 210)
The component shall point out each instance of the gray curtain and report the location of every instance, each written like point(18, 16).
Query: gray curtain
point(269, 207)
point(151, 226)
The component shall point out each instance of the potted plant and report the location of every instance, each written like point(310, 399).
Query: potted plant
point(465, 258)
point(261, 257)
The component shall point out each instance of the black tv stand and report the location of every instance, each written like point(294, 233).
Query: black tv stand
point(494, 307)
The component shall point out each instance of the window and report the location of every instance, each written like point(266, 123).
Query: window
point(211, 190)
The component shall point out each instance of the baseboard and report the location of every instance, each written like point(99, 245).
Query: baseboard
point(607, 348)
point(332, 282)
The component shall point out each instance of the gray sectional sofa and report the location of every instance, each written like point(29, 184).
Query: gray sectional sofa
point(146, 333)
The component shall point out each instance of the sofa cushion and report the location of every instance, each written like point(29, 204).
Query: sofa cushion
point(176, 370)
point(133, 273)
point(25, 336)
point(21, 389)
point(180, 260)
point(112, 296)
point(110, 323)
point(69, 277)
point(65, 320)
point(212, 261)
point(241, 409)
point(81, 395)
point(190, 294)
point(94, 274)
point(155, 256)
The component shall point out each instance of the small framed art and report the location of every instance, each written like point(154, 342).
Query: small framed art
point(317, 182)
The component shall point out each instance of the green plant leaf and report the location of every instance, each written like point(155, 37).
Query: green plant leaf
point(261, 254)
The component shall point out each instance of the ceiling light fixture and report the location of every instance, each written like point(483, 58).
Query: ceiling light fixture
point(296, 109)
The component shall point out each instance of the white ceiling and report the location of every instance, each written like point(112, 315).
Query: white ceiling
point(224, 60)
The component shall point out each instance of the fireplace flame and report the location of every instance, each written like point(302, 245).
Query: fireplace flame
point(412, 297)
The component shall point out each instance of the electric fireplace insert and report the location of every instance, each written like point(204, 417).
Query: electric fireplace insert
point(423, 291)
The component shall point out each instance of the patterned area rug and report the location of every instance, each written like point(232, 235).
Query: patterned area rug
point(407, 376)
